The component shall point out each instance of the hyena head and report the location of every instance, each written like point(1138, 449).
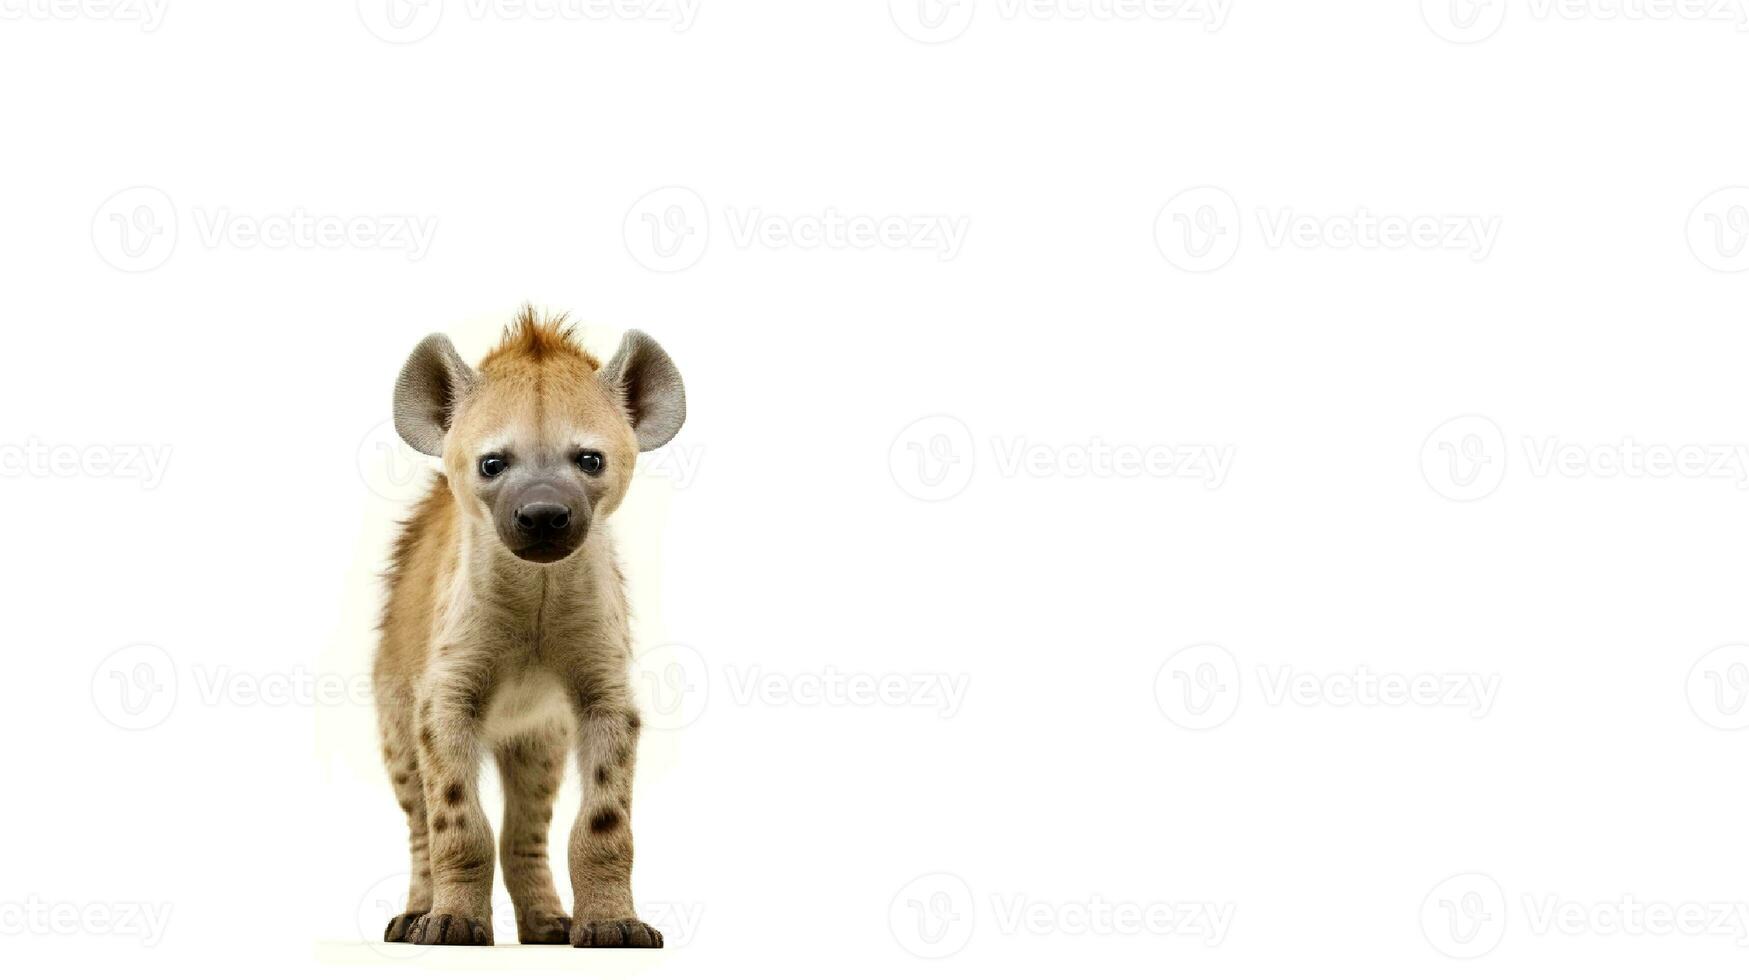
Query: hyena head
point(540, 441)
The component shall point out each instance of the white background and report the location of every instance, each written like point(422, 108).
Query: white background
point(807, 530)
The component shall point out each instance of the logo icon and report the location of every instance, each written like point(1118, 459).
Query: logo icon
point(392, 469)
point(382, 902)
point(932, 916)
point(675, 684)
point(401, 21)
point(1464, 459)
point(933, 458)
point(667, 229)
point(1718, 230)
point(134, 688)
point(932, 21)
point(1198, 687)
point(1198, 229)
point(1718, 687)
point(135, 230)
point(1464, 916)
point(1464, 21)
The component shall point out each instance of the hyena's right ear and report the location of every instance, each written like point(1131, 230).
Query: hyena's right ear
point(426, 394)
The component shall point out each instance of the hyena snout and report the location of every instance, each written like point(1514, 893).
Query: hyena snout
point(543, 523)
point(542, 517)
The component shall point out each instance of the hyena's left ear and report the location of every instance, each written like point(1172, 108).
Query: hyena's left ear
point(650, 387)
point(426, 394)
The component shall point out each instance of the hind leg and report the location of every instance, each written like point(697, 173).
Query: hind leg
point(403, 764)
point(531, 767)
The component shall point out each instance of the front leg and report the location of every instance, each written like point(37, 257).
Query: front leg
point(601, 839)
point(531, 767)
point(461, 840)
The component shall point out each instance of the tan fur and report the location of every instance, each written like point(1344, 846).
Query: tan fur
point(484, 654)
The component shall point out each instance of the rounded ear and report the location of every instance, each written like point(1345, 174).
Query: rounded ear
point(430, 387)
point(649, 387)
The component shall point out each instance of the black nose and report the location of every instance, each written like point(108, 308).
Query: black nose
point(542, 520)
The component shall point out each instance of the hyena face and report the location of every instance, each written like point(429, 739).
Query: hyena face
point(540, 442)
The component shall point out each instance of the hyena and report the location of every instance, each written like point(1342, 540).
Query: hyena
point(505, 629)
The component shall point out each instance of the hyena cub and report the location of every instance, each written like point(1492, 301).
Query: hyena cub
point(505, 629)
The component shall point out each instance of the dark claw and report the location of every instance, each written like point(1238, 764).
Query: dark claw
point(449, 930)
point(616, 933)
point(400, 926)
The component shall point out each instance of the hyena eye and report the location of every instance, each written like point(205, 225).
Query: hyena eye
point(491, 466)
point(590, 462)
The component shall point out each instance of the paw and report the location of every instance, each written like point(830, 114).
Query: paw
point(400, 925)
point(544, 930)
point(449, 930)
point(614, 933)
